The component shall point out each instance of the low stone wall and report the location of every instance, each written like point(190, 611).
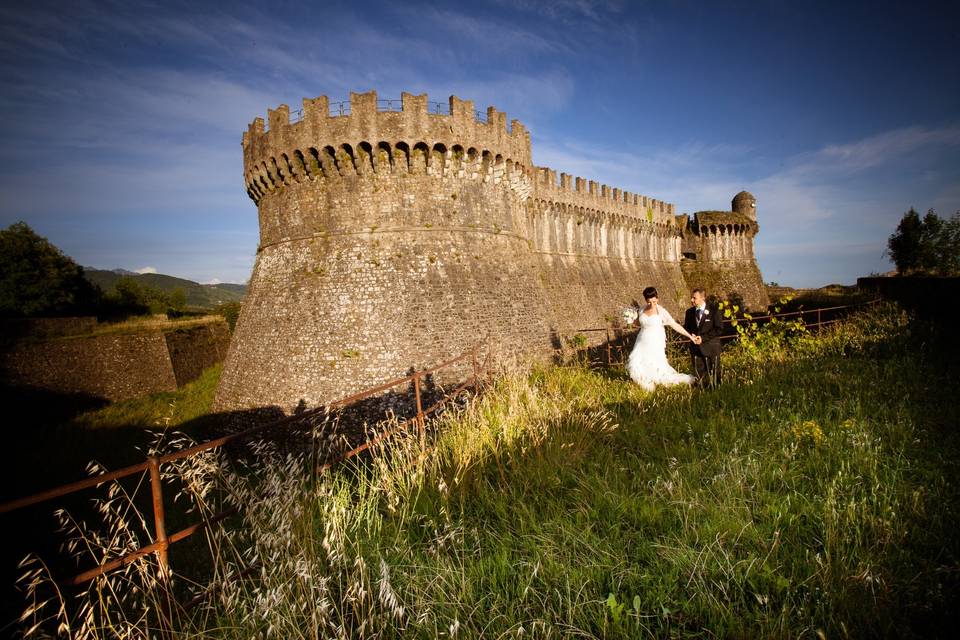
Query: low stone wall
point(115, 366)
point(196, 348)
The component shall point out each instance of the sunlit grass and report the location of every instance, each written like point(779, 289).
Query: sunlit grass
point(158, 410)
point(813, 493)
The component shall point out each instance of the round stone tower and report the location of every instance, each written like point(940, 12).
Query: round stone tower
point(744, 203)
point(392, 235)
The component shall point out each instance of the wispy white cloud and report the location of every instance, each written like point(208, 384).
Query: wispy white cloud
point(878, 149)
point(143, 270)
point(132, 112)
point(501, 35)
point(579, 10)
point(693, 175)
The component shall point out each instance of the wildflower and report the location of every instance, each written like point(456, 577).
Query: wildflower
point(807, 432)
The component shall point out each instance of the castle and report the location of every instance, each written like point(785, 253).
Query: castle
point(396, 233)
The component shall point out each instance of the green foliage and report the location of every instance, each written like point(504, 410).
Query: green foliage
point(37, 279)
point(769, 340)
point(577, 348)
point(159, 410)
point(130, 297)
point(904, 245)
point(930, 245)
point(230, 312)
point(205, 296)
point(577, 341)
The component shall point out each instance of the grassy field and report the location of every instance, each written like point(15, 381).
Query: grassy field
point(813, 495)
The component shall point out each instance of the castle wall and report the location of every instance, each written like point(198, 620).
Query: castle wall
point(598, 248)
point(383, 261)
point(393, 236)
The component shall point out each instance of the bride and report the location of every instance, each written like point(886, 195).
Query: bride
point(648, 364)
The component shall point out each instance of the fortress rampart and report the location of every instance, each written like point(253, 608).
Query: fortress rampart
point(396, 233)
point(114, 365)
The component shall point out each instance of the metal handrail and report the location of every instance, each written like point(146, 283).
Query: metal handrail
point(342, 108)
point(390, 104)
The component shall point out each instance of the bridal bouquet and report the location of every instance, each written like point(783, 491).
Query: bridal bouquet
point(629, 315)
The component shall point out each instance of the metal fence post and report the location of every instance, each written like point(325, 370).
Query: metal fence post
point(416, 392)
point(474, 362)
point(158, 520)
point(156, 488)
point(818, 318)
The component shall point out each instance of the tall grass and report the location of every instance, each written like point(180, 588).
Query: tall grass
point(813, 494)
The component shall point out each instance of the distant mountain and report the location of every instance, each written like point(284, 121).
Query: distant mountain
point(205, 296)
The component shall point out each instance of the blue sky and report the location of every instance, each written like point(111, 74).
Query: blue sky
point(121, 121)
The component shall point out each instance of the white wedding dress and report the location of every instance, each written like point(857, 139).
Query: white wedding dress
point(648, 364)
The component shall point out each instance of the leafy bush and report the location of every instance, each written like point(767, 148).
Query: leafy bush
point(230, 312)
point(771, 339)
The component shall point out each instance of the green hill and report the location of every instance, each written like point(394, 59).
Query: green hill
point(205, 296)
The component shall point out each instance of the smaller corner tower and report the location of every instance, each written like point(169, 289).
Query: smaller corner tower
point(746, 204)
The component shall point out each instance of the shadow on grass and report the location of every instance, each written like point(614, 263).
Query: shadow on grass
point(52, 445)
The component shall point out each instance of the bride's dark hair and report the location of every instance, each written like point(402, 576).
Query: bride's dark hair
point(650, 292)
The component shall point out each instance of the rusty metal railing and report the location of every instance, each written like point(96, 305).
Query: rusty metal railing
point(162, 540)
point(612, 345)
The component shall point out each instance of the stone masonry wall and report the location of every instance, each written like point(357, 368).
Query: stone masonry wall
point(393, 236)
point(725, 264)
point(383, 261)
point(112, 366)
point(115, 366)
point(194, 349)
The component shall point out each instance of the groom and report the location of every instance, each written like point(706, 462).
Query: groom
point(704, 321)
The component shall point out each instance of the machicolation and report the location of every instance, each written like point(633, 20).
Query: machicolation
point(396, 233)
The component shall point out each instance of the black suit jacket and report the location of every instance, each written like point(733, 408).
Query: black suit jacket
point(710, 328)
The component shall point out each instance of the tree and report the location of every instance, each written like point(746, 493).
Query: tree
point(131, 297)
point(948, 246)
point(37, 279)
point(930, 245)
point(904, 245)
point(928, 255)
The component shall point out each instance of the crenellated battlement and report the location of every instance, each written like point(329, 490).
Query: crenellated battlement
point(367, 135)
point(367, 119)
point(589, 194)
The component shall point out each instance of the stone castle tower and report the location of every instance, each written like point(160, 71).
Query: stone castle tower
point(396, 233)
